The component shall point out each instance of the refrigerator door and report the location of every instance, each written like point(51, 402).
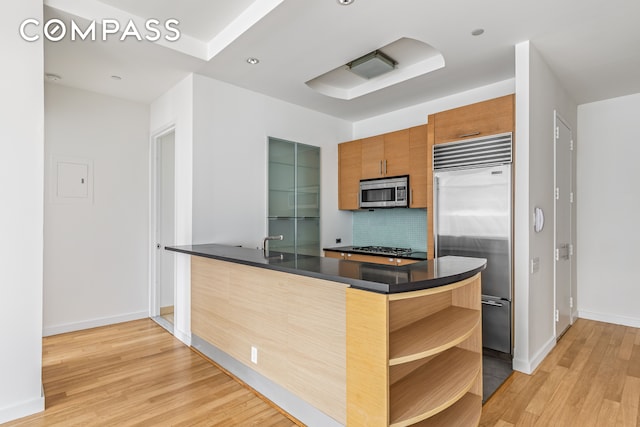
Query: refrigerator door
point(473, 218)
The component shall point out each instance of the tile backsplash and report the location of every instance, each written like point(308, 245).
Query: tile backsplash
point(391, 227)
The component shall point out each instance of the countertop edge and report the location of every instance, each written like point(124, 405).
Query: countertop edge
point(366, 285)
point(348, 281)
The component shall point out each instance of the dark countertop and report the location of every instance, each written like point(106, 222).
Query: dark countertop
point(386, 279)
point(349, 249)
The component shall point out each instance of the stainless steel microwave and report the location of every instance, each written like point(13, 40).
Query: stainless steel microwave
point(384, 192)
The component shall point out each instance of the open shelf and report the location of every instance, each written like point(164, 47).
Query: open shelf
point(433, 334)
point(465, 412)
point(434, 386)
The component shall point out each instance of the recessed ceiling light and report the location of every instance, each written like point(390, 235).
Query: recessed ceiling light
point(477, 32)
point(253, 61)
point(345, 2)
point(114, 77)
point(52, 77)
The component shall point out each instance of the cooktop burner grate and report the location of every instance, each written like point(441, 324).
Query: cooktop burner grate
point(382, 250)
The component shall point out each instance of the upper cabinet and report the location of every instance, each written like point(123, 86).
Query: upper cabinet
point(418, 166)
point(349, 165)
point(386, 155)
point(471, 121)
point(372, 156)
point(403, 152)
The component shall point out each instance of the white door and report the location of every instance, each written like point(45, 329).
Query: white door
point(563, 238)
point(165, 225)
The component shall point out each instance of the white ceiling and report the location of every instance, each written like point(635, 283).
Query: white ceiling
point(593, 46)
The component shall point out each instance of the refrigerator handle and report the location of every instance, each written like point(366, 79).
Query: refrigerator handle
point(492, 303)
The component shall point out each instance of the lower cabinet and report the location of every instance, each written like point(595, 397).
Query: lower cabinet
point(415, 358)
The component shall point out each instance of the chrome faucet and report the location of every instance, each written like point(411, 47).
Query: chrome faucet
point(265, 248)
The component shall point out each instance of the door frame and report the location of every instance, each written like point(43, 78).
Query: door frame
point(154, 295)
point(557, 119)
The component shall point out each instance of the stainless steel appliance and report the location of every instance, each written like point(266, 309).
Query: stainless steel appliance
point(384, 192)
point(381, 250)
point(473, 217)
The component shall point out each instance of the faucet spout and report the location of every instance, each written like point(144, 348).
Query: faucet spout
point(265, 248)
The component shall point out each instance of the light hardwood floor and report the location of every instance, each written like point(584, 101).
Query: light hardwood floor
point(591, 378)
point(136, 373)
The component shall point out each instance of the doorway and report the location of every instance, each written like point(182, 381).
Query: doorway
point(163, 301)
point(563, 239)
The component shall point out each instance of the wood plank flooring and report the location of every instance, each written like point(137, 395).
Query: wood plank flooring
point(136, 373)
point(591, 378)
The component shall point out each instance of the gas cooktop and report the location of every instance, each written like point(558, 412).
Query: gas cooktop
point(382, 250)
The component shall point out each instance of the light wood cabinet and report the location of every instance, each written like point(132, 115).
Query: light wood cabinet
point(374, 259)
point(386, 155)
point(335, 254)
point(349, 165)
point(296, 323)
point(415, 358)
point(372, 157)
point(397, 154)
point(430, 211)
point(403, 152)
point(471, 121)
point(418, 166)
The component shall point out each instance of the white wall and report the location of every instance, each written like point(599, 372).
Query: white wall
point(417, 114)
point(231, 127)
point(608, 207)
point(538, 94)
point(96, 267)
point(21, 216)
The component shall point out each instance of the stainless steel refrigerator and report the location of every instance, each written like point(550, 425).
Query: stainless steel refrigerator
point(473, 217)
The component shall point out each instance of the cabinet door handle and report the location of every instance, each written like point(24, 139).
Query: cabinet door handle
point(380, 167)
point(385, 167)
point(411, 197)
point(464, 135)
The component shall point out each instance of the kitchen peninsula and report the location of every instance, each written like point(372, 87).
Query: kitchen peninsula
point(336, 342)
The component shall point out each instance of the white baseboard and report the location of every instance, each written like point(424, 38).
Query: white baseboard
point(609, 318)
point(185, 338)
point(22, 409)
point(92, 323)
point(528, 366)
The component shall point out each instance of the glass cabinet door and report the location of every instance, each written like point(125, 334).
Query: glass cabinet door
point(294, 196)
point(282, 179)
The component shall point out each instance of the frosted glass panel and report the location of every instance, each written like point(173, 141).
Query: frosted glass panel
point(308, 181)
point(282, 175)
point(294, 196)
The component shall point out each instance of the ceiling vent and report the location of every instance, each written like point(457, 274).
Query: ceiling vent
point(372, 65)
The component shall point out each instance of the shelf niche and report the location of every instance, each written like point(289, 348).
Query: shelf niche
point(431, 368)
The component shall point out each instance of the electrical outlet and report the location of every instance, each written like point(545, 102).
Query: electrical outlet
point(254, 355)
